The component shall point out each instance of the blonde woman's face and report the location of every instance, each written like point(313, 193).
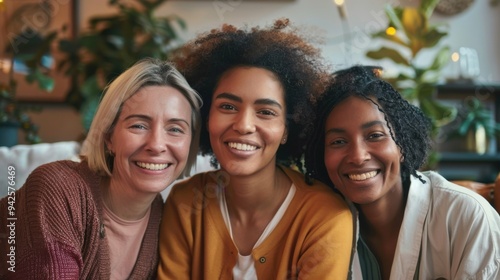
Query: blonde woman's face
point(151, 140)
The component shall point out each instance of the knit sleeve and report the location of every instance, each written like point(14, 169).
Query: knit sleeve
point(50, 224)
point(176, 233)
point(326, 251)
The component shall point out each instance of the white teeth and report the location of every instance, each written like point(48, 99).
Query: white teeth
point(364, 176)
point(152, 166)
point(241, 147)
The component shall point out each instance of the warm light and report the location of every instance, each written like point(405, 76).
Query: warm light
point(341, 8)
point(5, 64)
point(455, 57)
point(390, 31)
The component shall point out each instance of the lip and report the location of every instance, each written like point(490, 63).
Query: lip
point(242, 142)
point(361, 175)
point(241, 153)
point(153, 166)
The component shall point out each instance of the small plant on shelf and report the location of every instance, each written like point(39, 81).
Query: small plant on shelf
point(476, 124)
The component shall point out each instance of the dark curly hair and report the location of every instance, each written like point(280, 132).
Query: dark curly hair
point(408, 125)
point(295, 62)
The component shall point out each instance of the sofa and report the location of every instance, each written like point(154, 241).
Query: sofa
point(25, 158)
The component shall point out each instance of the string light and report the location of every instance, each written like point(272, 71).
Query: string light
point(391, 31)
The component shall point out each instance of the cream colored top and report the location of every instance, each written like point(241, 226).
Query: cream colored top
point(124, 241)
point(245, 265)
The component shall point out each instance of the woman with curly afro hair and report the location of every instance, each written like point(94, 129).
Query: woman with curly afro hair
point(368, 144)
point(254, 217)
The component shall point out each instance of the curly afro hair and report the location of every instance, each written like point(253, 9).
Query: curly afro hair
point(408, 125)
point(295, 62)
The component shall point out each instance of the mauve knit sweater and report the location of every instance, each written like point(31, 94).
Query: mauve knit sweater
point(58, 228)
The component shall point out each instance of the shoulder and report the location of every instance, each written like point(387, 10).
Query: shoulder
point(200, 184)
point(458, 201)
point(65, 180)
point(316, 195)
point(316, 189)
point(62, 171)
point(442, 188)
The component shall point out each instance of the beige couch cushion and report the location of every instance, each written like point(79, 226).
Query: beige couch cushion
point(25, 158)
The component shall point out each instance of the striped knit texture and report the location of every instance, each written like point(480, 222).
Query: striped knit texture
point(57, 236)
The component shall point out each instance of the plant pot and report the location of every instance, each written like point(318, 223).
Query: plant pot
point(477, 141)
point(9, 132)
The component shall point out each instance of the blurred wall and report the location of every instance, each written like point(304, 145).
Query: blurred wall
point(477, 27)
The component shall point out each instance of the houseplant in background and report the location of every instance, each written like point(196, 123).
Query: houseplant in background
point(112, 44)
point(408, 35)
point(475, 122)
point(30, 55)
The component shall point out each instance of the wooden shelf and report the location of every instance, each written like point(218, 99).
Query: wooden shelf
point(471, 166)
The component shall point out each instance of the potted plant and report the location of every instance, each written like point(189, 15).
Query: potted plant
point(111, 45)
point(476, 124)
point(407, 35)
point(13, 115)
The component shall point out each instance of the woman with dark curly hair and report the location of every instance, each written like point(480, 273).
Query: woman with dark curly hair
point(254, 218)
point(368, 144)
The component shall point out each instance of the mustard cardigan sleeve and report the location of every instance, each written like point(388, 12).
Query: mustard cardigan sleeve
point(175, 241)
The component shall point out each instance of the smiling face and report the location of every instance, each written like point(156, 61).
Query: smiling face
point(150, 140)
point(361, 158)
point(247, 120)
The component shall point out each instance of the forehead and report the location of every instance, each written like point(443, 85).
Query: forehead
point(354, 110)
point(156, 99)
point(251, 83)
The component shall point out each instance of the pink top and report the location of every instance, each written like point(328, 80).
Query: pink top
point(124, 240)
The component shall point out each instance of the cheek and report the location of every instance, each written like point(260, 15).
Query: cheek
point(331, 164)
point(180, 147)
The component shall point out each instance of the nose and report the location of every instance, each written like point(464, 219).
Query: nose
point(157, 140)
point(358, 153)
point(245, 122)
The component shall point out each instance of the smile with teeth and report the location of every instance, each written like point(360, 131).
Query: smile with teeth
point(152, 166)
point(241, 147)
point(363, 176)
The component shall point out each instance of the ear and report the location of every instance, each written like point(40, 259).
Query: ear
point(285, 136)
point(108, 144)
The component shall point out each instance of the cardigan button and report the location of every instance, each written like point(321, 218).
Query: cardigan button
point(262, 260)
point(102, 231)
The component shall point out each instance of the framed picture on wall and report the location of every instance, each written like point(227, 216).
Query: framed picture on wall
point(23, 22)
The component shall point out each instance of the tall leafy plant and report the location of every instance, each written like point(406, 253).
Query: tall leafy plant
point(408, 34)
point(28, 49)
point(112, 44)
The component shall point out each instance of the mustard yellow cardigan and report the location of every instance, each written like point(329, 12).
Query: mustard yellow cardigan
point(313, 240)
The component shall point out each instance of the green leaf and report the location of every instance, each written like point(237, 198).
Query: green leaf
point(394, 19)
point(393, 38)
point(427, 7)
point(442, 58)
point(438, 112)
point(385, 52)
point(432, 37)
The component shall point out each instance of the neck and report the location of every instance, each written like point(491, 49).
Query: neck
point(382, 219)
point(261, 192)
point(123, 203)
point(380, 223)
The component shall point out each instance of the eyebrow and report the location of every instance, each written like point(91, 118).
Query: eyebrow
point(146, 117)
point(262, 101)
point(364, 126)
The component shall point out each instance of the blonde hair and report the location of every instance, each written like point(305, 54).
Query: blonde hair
point(146, 72)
